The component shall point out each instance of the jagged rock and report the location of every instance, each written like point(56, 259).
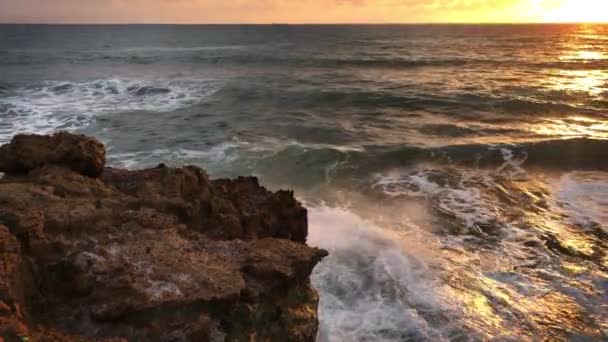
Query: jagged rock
point(27, 152)
point(160, 254)
point(222, 209)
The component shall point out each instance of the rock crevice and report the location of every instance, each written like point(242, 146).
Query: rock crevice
point(164, 254)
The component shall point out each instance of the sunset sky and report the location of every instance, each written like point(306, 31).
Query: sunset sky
point(301, 11)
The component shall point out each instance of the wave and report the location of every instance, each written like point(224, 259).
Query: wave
point(4, 88)
point(230, 56)
point(477, 264)
point(271, 56)
point(211, 157)
point(466, 103)
point(375, 285)
point(563, 154)
point(69, 105)
point(580, 64)
point(166, 49)
point(584, 198)
point(318, 164)
point(457, 195)
point(560, 154)
point(389, 63)
point(448, 130)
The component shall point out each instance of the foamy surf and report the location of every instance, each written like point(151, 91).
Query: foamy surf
point(511, 241)
point(373, 287)
point(214, 156)
point(67, 105)
point(449, 191)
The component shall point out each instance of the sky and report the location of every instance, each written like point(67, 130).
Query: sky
point(301, 11)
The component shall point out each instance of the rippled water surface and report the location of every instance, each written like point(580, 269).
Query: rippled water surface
point(456, 173)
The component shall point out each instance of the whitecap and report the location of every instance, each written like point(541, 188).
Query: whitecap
point(210, 157)
point(449, 192)
point(372, 288)
point(61, 105)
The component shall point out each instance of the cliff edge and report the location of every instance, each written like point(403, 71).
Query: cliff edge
point(90, 253)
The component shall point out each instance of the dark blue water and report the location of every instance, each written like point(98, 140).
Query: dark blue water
point(457, 173)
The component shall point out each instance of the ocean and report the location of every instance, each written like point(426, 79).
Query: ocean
point(456, 173)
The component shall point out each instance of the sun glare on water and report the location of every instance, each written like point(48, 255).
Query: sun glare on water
point(576, 11)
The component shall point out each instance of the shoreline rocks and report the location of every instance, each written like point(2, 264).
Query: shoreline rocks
point(89, 253)
point(79, 153)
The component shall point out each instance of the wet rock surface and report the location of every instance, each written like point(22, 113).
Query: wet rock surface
point(100, 254)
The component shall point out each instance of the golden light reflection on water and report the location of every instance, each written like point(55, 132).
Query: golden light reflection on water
point(511, 297)
point(486, 301)
point(573, 268)
point(568, 239)
point(576, 244)
point(477, 306)
point(572, 127)
point(593, 82)
point(537, 308)
point(480, 307)
point(585, 55)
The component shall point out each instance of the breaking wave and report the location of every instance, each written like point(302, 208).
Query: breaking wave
point(64, 105)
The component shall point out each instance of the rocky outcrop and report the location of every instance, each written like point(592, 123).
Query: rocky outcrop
point(163, 254)
point(76, 152)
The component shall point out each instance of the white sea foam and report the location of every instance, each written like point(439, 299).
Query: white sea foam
point(455, 194)
point(54, 105)
point(464, 194)
point(318, 146)
point(512, 167)
point(210, 157)
point(274, 145)
point(376, 285)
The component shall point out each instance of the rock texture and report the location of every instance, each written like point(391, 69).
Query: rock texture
point(164, 254)
point(76, 152)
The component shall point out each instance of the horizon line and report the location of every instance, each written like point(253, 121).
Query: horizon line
point(313, 23)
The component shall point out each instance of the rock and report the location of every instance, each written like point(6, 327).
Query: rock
point(81, 154)
point(11, 287)
point(160, 254)
point(222, 209)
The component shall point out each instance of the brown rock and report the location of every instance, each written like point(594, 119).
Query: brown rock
point(222, 209)
point(158, 254)
point(81, 154)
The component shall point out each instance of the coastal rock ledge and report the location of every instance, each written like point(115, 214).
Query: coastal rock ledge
point(91, 253)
